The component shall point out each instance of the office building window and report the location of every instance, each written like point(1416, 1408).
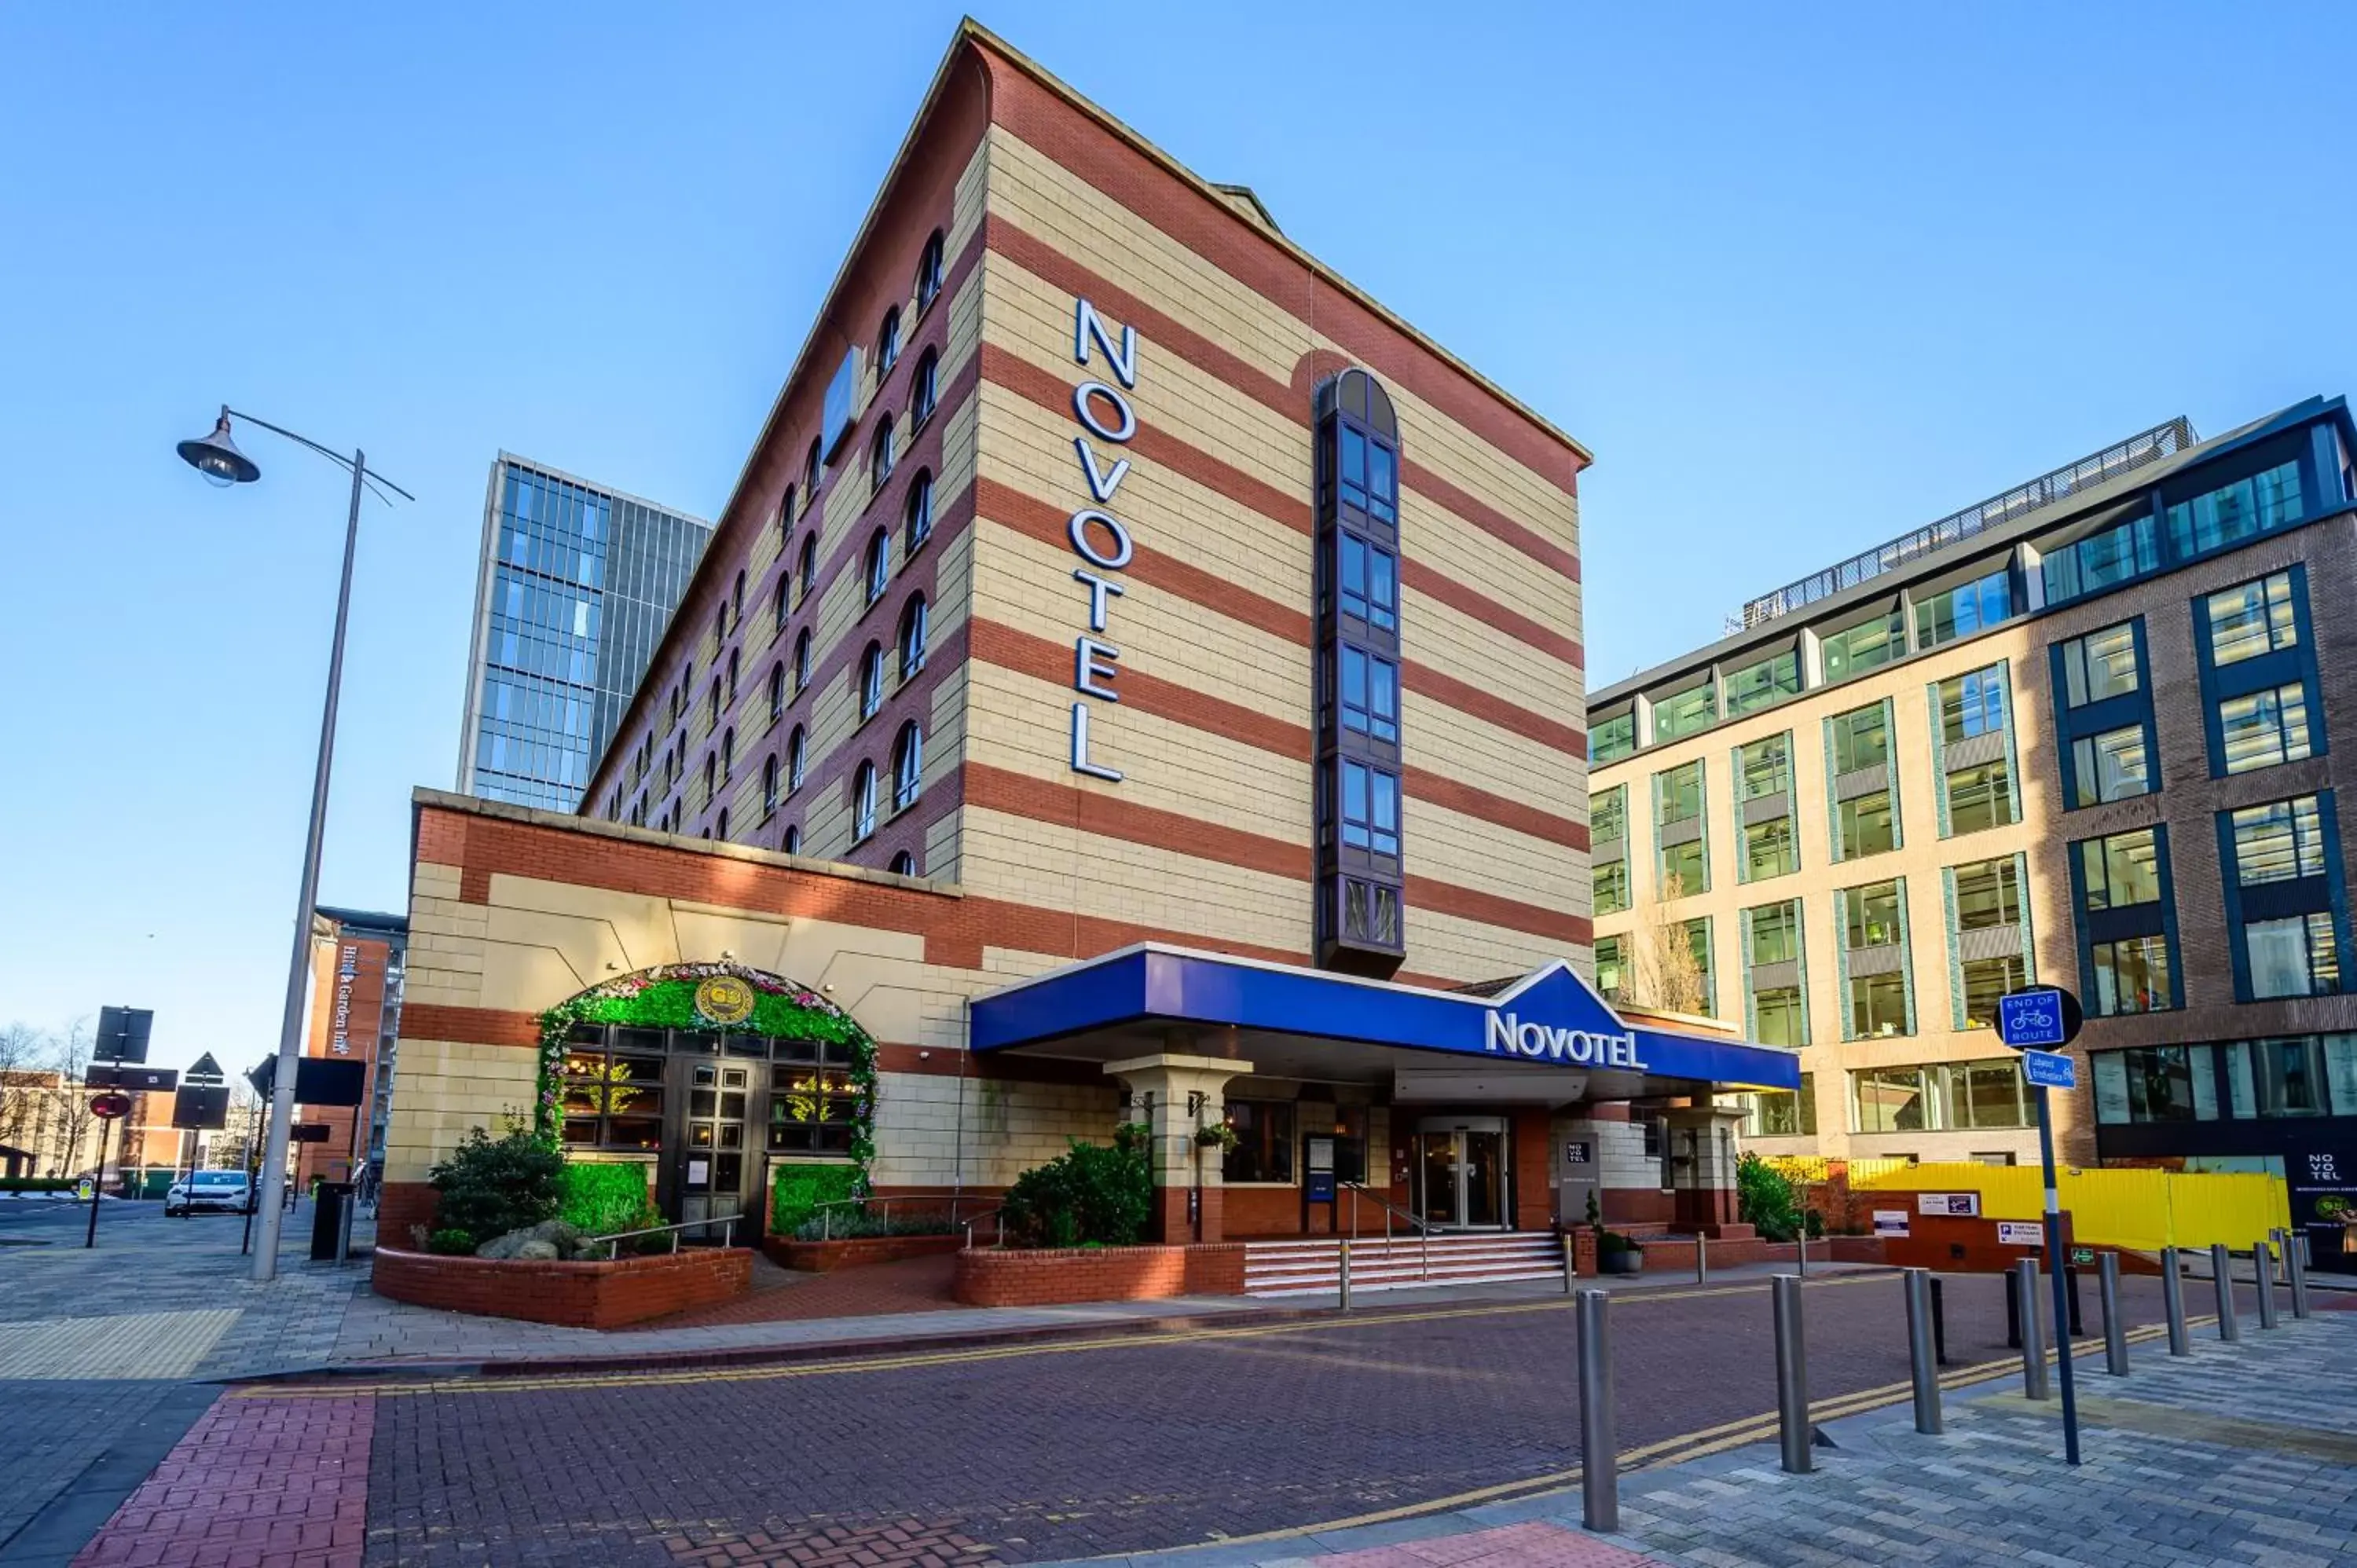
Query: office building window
point(2101, 665)
point(1889, 1099)
point(1607, 966)
point(1872, 922)
point(1683, 862)
point(2283, 897)
point(1368, 580)
point(2156, 1083)
point(1613, 738)
point(1698, 942)
point(1684, 713)
point(2103, 560)
point(1854, 650)
point(1370, 695)
point(1753, 686)
point(1611, 885)
point(1608, 839)
point(2297, 955)
point(2263, 728)
point(2275, 1077)
point(1870, 915)
point(1609, 815)
point(1772, 952)
point(1763, 781)
point(1963, 610)
point(2103, 716)
point(2125, 926)
point(1983, 980)
point(863, 803)
point(1978, 1096)
point(2111, 766)
point(1988, 895)
point(1987, 938)
point(2235, 512)
point(879, 456)
point(1861, 738)
point(908, 766)
point(1972, 705)
point(1864, 825)
point(1264, 1150)
point(917, 522)
point(1765, 766)
point(2258, 673)
point(1768, 850)
point(1781, 1112)
point(2253, 619)
point(1370, 810)
point(1979, 797)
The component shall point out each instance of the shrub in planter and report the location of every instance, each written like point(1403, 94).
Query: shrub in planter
point(607, 1199)
point(851, 1224)
point(490, 1187)
point(1764, 1198)
point(451, 1243)
point(1617, 1254)
point(796, 1192)
point(1091, 1194)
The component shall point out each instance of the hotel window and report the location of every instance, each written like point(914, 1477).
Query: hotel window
point(2156, 1083)
point(1370, 695)
point(1781, 1112)
point(1609, 969)
point(729, 754)
point(1355, 485)
point(2127, 928)
point(1972, 751)
point(924, 392)
point(1613, 738)
point(801, 661)
point(2258, 673)
point(1264, 1150)
point(863, 803)
point(1854, 650)
point(913, 621)
point(1864, 803)
point(785, 518)
point(1875, 983)
point(779, 609)
point(806, 568)
point(777, 692)
point(908, 767)
point(1607, 823)
point(2283, 894)
point(1764, 682)
point(715, 718)
point(1774, 977)
point(793, 842)
point(929, 272)
point(711, 778)
point(916, 521)
point(2101, 559)
point(721, 830)
point(769, 788)
point(1684, 713)
point(811, 471)
point(1682, 859)
point(888, 342)
point(1370, 584)
point(879, 565)
point(2277, 1077)
point(903, 863)
point(871, 681)
point(1963, 610)
point(2232, 513)
point(737, 601)
point(732, 672)
point(1763, 786)
point(1987, 943)
point(795, 750)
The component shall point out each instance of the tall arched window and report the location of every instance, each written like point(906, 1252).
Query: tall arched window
point(908, 766)
point(871, 681)
point(776, 691)
point(914, 618)
point(732, 673)
point(794, 758)
point(888, 342)
point(806, 569)
point(722, 831)
point(879, 565)
point(920, 516)
point(809, 472)
point(904, 865)
point(794, 840)
point(785, 518)
point(769, 786)
point(715, 701)
point(928, 271)
point(879, 460)
point(720, 623)
point(711, 777)
point(736, 602)
point(922, 390)
point(728, 753)
point(785, 589)
point(801, 661)
point(863, 803)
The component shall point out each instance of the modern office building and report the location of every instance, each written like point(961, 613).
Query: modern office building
point(358, 958)
point(1089, 711)
point(577, 586)
point(2080, 734)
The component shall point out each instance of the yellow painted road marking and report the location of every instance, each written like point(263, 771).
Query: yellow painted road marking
point(347, 1388)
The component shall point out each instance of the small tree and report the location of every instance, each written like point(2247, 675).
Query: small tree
point(490, 1187)
point(1091, 1195)
point(1664, 971)
point(1764, 1198)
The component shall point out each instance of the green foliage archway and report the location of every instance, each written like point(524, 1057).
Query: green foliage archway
point(665, 997)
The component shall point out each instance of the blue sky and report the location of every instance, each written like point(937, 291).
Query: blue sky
point(1802, 278)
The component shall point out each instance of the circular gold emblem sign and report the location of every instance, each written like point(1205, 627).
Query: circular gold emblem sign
point(725, 999)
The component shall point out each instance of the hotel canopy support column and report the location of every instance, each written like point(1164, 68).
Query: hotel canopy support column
point(1703, 1148)
point(1175, 1094)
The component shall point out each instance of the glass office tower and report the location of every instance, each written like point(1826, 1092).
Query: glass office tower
point(576, 586)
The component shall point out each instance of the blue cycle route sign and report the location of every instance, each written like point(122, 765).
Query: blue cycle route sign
point(2049, 1069)
point(2045, 1017)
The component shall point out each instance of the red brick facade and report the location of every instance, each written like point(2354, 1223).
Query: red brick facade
point(579, 1295)
point(989, 1277)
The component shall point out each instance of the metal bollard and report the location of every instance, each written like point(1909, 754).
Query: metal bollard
point(2115, 1330)
point(2295, 1265)
point(2172, 1300)
point(2033, 1332)
point(1570, 1264)
point(1792, 1375)
point(1918, 1353)
point(2222, 1275)
point(1599, 1459)
point(2263, 1266)
point(1344, 1276)
point(1702, 1259)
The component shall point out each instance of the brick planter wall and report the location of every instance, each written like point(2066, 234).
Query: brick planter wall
point(579, 1295)
point(825, 1257)
point(1044, 1277)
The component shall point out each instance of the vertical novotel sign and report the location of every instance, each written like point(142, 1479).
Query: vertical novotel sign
point(1101, 538)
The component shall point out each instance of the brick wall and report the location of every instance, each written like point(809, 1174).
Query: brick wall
point(579, 1295)
point(1025, 1277)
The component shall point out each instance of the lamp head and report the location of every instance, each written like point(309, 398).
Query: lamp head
point(216, 456)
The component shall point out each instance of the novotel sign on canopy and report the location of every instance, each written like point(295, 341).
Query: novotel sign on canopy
point(1508, 1035)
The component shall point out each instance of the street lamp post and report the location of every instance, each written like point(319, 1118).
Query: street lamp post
point(217, 457)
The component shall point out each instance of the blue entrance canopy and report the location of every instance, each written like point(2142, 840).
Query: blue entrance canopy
point(1550, 1017)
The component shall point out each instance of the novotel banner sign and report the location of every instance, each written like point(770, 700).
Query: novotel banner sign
point(1508, 1035)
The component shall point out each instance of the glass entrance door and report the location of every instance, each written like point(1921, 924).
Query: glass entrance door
point(713, 1162)
point(1461, 1172)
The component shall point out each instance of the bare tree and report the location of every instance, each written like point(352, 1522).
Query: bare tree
point(22, 1052)
point(1663, 971)
point(68, 1055)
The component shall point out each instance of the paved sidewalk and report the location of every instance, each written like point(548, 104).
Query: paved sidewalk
point(2240, 1454)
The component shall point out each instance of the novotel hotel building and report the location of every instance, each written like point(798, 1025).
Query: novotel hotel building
point(1136, 676)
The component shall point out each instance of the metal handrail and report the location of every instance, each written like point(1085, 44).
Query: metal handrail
point(826, 1217)
point(613, 1242)
point(985, 1214)
point(1423, 1226)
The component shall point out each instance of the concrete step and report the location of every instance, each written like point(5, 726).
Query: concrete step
point(1312, 1265)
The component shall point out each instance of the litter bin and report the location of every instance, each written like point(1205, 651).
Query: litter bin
point(331, 1222)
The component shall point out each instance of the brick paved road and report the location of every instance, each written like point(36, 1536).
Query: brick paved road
point(1031, 1454)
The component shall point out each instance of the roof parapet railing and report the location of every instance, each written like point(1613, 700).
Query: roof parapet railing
point(2121, 458)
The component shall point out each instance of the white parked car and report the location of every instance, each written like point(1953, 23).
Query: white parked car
point(207, 1189)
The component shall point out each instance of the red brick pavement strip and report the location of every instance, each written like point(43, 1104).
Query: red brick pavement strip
point(908, 1284)
point(254, 1483)
point(1535, 1545)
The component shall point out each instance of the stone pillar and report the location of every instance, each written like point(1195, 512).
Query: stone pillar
point(1174, 1095)
point(1704, 1146)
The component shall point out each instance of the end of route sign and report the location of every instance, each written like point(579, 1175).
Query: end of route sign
point(2043, 1018)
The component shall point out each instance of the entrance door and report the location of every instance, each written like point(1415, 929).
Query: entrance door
point(1461, 1172)
point(712, 1162)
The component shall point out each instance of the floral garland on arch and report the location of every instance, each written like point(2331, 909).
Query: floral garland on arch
point(666, 997)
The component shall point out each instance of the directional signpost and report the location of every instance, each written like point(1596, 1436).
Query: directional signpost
point(2039, 1022)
